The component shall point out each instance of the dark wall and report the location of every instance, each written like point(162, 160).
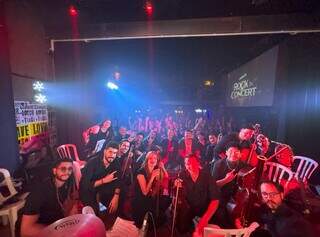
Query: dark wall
point(8, 134)
point(303, 95)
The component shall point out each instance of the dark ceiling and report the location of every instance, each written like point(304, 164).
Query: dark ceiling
point(215, 61)
point(55, 12)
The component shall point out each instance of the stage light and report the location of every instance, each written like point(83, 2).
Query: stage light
point(40, 98)
point(208, 83)
point(38, 86)
point(73, 11)
point(148, 8)
point(112, 86)
point(198, 111)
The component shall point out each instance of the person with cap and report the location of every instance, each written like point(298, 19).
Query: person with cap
point(49, 201)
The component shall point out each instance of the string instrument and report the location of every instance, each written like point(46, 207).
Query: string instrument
point(128, 187)
point(248, 180)
point(249, 155)
point(126, 169)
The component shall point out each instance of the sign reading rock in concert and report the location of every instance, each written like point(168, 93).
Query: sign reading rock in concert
point(252, 84)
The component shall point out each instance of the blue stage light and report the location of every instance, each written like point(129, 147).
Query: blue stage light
point(112, 86)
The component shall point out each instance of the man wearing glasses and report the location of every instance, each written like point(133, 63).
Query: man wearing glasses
point(276, 218)
point(51, 200)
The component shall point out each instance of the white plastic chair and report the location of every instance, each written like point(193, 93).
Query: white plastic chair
point(9, 211)
point(305, 168)
point(70, 151)
point(276, 172)
point(9, 184)
point(214, 231)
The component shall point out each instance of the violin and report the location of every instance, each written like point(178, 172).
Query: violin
point(249, 155)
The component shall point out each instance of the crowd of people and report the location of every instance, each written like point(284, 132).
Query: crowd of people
point(138, 169)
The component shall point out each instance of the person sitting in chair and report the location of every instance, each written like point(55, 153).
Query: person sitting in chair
point(200, 196)
point(276, 217)
point(51, 200)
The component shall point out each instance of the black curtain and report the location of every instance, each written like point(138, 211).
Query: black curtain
point(8, 135)
point(303, 95)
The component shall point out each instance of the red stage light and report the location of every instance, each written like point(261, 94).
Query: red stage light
point(149, 8)
point(73, 11)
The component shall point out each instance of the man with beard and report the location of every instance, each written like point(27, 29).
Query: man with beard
point(276, 218)
point(51, 200)
point(199, 196)
point(224, 171)
point(101, 180)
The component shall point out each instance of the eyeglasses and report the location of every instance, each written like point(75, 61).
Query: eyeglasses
point(65, 169)
point(271, 195)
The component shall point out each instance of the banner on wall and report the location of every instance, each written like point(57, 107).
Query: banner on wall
point(31, 120)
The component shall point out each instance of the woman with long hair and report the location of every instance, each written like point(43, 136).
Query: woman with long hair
point(148, 189)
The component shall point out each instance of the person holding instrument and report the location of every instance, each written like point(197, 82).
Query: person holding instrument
point(199, 197)
point(224, 171)
point(242, 139)
point(148, 189)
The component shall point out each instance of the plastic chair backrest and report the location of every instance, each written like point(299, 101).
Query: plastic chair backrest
point(277, 172)
point(79, 225)
point(68, 151)
point(210, 231)
point(88, 210)
point(306, 167)
point(9, 184)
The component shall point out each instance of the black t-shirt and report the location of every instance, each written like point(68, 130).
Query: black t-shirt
point(219, 170)
point(138, 193)
point(95, 170)
point(94, 138)
point(199, 194)
point(283, 222)
point(43, 201)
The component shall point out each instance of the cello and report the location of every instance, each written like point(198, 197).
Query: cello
point(248, 181)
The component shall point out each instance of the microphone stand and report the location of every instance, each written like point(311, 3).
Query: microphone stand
point(175, 209)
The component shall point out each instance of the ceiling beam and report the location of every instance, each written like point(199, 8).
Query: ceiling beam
point(222, 26)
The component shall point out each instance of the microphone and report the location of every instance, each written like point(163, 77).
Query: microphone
point(144, 229)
